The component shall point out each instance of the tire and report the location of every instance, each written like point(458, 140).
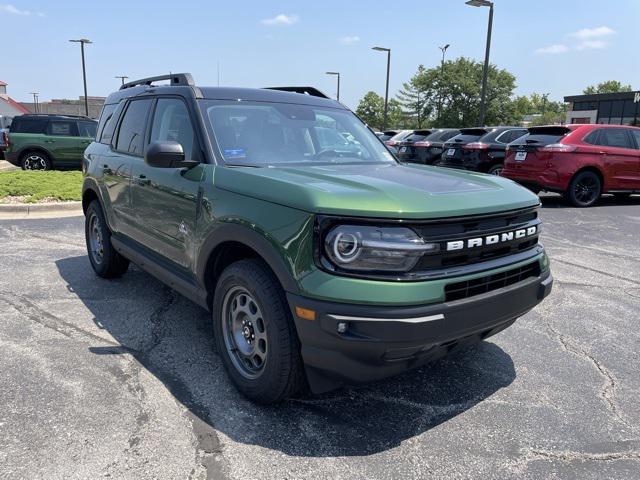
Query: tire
point(496, 169)
point(584, 190)
point(35, 161)
point(255, 334)
point(106, 262)
point(437, 163)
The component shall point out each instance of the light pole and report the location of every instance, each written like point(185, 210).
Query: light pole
point(121, 77)
point(82, 41)
point(386, 91)
point(35, 101)
point(338, 75)
point(444, 50)
point(485, 70)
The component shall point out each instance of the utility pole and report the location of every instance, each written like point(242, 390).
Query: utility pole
point(485, 70)
point(444, 50)
point(386, 92)
point(35, 102)
point(121, 77)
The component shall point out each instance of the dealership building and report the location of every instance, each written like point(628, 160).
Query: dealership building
point(611, 108)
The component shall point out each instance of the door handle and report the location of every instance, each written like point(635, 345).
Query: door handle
point(142, 180)
point(49, 141)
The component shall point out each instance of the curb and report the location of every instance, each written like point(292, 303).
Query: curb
point(54, 207)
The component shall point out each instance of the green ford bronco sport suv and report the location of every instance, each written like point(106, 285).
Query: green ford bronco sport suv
point(43, 141)
point(322, 260)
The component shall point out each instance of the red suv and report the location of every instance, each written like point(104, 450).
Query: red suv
point(579, 161)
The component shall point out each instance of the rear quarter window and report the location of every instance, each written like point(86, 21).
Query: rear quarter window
point(36, 125)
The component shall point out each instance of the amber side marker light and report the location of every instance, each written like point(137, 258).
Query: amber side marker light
point(305, 313)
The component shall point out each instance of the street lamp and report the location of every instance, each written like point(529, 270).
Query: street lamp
point(121, 77)
point(483, 95)
point(82, 41)
point(35, 101)
point(338, 75)
point(444, 49)
point(386, 92)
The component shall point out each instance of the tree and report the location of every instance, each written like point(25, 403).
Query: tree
point(371, 110)
point(459, 83)
point(545, 111)
point(609, 86)
point(413, 100)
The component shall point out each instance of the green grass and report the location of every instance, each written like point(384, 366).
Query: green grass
point(36, 186)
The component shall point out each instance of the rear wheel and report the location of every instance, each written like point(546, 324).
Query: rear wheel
point(105, 260)
point(585, 189)
point(496, 169)
point(254, 333)
point(35, 161)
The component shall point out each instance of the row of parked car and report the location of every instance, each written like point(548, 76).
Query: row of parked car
point(579, 161)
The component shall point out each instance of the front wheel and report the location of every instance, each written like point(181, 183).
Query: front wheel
point(105, 260)
point(584, 190)
point(254, 333)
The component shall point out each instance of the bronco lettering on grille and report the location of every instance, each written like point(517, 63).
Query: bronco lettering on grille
point(492, 239)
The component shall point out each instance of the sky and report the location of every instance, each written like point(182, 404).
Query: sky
point(551, 46)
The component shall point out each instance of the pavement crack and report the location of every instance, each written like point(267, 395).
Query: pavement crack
point(572, 456)
point(595, 270)
point(608, 389)
point(38, 315)
point(158, 321)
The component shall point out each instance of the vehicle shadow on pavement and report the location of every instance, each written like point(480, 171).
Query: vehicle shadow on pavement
point(557, 201)
point(171, 338)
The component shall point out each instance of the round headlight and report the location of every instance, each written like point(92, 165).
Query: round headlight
point(346, 247)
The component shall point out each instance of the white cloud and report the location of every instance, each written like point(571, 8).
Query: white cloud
point(281, 19)
point(13, 10)
point(591, 45)
point(586, 33)
point(553, 49)
point(349, 39)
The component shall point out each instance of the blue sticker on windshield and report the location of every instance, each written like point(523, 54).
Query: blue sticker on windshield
point(230, 153)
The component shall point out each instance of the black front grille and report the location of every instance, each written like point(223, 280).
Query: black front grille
point(478, 286)
point(476, 227)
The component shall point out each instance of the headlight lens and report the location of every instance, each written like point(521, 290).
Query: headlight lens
point(365, 248)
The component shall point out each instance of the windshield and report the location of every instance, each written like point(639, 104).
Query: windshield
point(270, 134)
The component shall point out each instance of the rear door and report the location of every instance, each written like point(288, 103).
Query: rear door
point(635, 135)
point(619, 156)
point(126, 147)
point(62, 142)
point(165, 199)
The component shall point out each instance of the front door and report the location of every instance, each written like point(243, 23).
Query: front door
point(165, 200)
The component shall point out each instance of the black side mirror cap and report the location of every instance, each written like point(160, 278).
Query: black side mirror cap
point(167, 155)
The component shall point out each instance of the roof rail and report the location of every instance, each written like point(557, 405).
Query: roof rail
point(312, 91)
point(55, 115)
point(175, 79)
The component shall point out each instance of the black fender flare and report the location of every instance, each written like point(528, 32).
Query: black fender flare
point(91, 184)
point(32, 148)
point(239, 233)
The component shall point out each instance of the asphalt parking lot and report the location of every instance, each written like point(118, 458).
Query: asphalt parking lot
point(119, 378)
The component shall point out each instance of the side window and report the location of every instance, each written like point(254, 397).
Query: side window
point(636, 136)
point(87, 129)
point(105, 117)
point(109, 126)
point(592, 138)
point(171, 123)
point(131, 132)
point(29, 126)
point(615, 137)
point(63, 129)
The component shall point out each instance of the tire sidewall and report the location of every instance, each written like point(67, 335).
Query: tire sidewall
point(571, 194)
point(45, 159)
point(108, 252)
point(495, 168)
point(274, 314)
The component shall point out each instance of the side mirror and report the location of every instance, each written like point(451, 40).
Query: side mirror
point(167, 155)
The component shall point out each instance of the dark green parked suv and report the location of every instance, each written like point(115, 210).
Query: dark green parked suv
point(43, 142)
point(322, 262)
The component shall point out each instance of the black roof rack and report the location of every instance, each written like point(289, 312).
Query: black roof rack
point(54, 115)
point(175, 79)
point(314, 92)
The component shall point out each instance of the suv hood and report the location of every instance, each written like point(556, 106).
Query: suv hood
point(388, 191)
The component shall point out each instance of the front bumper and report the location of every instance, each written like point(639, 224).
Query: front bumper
point(383, 341)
